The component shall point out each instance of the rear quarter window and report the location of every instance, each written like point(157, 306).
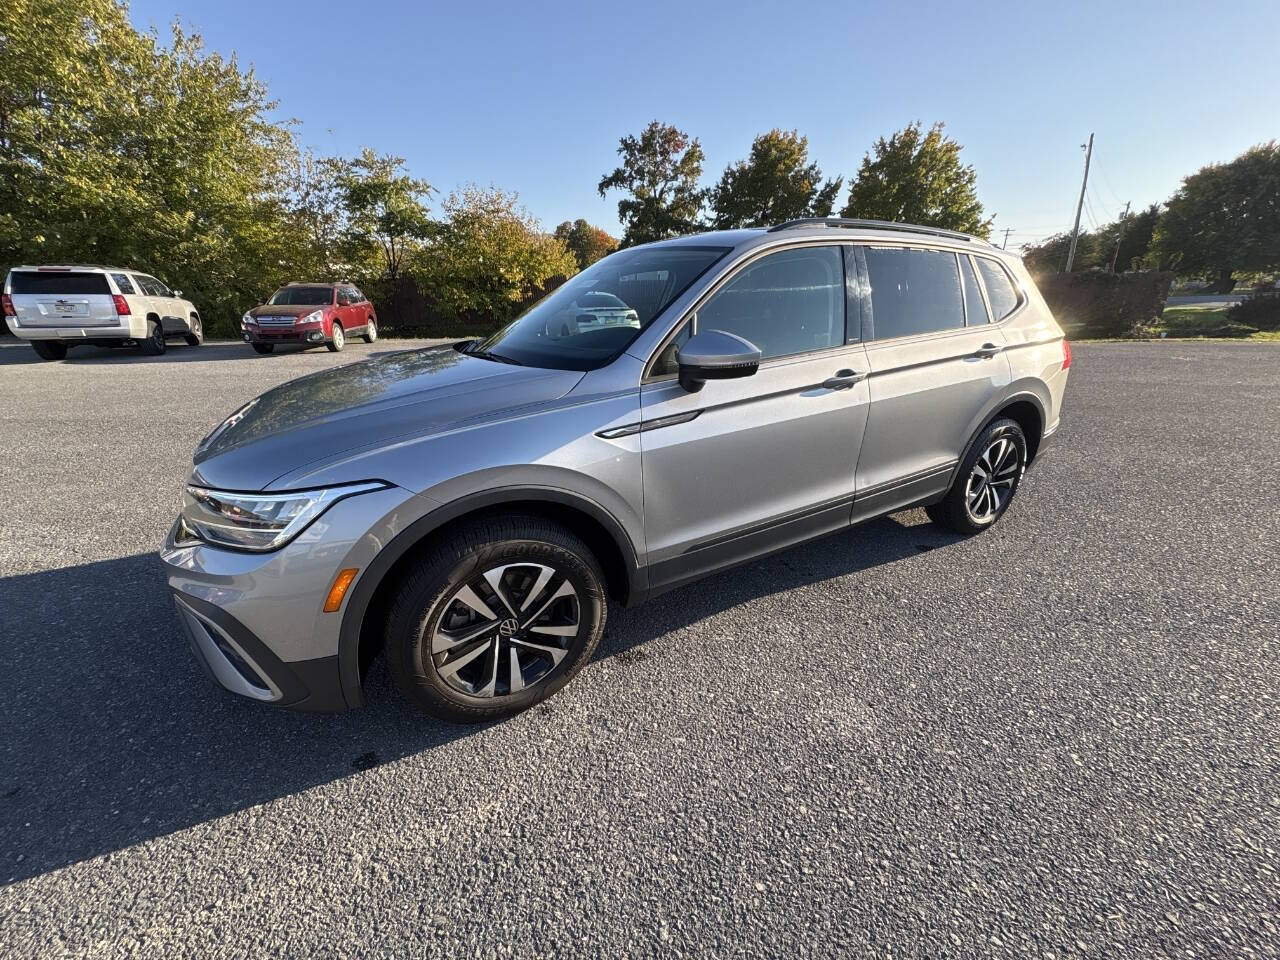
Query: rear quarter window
point(57, 282)
point(123, 282)
point(1000, 289)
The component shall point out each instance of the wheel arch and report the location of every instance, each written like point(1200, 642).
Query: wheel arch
point(360, 635)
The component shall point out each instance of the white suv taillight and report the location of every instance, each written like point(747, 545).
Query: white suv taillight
point(8, 305)
point(122, 305)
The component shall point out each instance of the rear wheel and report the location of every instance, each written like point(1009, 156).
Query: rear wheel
point(263, 347)
point(338, 340)
point(196, 336)
point(154, 344)
point(49, 349)
point(371, 331)
point(986, 482)
point(495, 618)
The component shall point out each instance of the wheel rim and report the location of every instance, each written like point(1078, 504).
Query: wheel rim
point(195, 328)
point(337, 336)
point(157, 337)
point(506, 630)
point(373, 331)
point(990, 485)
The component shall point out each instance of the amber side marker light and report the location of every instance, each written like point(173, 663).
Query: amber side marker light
point(339, 589)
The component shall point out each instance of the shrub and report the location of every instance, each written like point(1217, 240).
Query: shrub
point(1093, 304)
point(1260, 311)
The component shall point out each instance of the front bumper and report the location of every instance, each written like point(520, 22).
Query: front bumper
point(297, 333)
point(255, 621)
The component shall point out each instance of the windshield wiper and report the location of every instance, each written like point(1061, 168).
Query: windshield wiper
point(489, 355)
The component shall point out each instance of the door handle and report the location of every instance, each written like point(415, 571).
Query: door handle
point(843, 380)
point(987, 351)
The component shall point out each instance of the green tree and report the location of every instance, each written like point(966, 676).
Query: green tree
point(776, 182)
point(489, 255)
point(916, 176)
point(115, 148)
point(386, 213)
point(316, 205)
point(587, 243)
point(1225, 219)
point(1134, 234)
point(660, 170)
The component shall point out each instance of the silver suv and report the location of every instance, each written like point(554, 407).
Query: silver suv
point(468, 509)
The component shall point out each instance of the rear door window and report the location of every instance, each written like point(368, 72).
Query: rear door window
point(975, 310)
point(1000, 289)
point(58, 282)
point(785, 303)
point(913, 291)
point(123, 283)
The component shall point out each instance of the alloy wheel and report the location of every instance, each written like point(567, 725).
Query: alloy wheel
point(991, 483)
point(506, 630)
point(338, 338)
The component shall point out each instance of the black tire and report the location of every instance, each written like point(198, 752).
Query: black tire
point(196, 336)
point(263, 347)
point(338, 339)
point(154, 345)
point(428, 594)
point(371, 331)
point(49, 349)
point(968, 506)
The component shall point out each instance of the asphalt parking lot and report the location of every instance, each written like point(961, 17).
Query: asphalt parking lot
point(1060, 738)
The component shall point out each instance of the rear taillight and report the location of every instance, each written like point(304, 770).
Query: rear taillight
point(122, 305)
point(8, 305)
point(1066, 353)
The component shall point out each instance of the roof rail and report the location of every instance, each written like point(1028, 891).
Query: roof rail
point(873, 225)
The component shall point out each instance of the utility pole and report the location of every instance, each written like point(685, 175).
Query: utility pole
point(1007, 231)
point(1075, 231)
point(1124, 218)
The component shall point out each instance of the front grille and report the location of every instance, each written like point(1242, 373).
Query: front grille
point(275, 321)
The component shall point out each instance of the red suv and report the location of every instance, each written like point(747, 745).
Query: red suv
point(310, 314)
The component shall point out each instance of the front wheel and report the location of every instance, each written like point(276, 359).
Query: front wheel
point(495, 618)
point(49, 349)
point(371, 331)
point(338, 340)
point(986, 482)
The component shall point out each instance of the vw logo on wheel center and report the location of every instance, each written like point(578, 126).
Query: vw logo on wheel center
point(508, 627)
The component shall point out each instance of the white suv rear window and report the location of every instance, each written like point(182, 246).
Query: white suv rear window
point(57, 282)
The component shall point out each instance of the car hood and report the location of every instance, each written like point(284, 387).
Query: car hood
point(289, 310)
point(324, 415)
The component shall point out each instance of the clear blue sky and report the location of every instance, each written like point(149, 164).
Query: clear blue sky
point(534, 96)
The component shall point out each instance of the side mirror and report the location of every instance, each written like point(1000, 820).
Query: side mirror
point(177, 293)
point(715, 355)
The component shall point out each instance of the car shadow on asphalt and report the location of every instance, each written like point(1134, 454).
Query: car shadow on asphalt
point(113, 735)
point(17, 353)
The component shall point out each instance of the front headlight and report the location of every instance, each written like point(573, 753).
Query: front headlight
point(246, 319)
point(256, 521)
point(314, 317)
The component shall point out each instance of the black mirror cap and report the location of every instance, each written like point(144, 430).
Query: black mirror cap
point(716, 355)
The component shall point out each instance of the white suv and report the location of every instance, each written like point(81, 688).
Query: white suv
point(56, 307)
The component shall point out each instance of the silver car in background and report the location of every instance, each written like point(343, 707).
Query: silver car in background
point(467, 510)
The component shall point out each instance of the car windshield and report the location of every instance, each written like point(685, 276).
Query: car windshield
point(590, 319)
point(302, 297)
